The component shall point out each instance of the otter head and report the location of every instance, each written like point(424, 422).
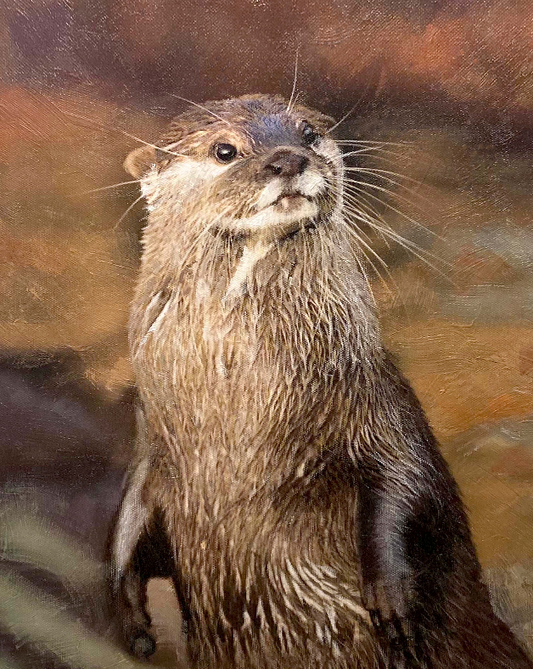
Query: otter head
point(246, 167)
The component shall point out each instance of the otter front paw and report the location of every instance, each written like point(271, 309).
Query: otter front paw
point(136, 634)
point(132, 620)
point(141, 643)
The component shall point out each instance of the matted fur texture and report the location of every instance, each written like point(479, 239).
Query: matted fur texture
point(285, 471)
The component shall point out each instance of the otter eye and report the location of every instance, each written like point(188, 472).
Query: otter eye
point(225, 153)
point(309, 134)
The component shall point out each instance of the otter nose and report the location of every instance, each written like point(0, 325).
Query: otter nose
point(286, 163)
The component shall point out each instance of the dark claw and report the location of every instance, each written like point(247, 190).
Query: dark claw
point(142, 645)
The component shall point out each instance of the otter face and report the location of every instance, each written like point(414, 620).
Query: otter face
point(247, 167)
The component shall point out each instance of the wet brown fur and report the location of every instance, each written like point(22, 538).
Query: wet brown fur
point(311, 519)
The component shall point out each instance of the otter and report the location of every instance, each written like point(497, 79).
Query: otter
point(285, 478)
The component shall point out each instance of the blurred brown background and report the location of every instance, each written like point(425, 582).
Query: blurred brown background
point(450, 82)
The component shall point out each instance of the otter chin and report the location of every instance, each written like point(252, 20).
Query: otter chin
point(285, 476)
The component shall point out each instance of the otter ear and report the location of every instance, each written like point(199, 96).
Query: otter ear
point(139, 161)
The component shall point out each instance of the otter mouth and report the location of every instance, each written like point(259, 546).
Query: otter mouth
point(290, 201)
point(280, 212)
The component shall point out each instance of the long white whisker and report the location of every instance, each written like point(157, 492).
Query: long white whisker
point(378, 142)
point(357, 196)
point(349, 111)
point(295, 80)
point(383, 155)
point(122, 183)
point(111, 129)
point(360, 241)
point(343, 118)
point(382, 175)
point(115, 227)
point(367, 246)
point(367, 212)
point(410, 246)
point(353, 204)
point(191, 102)
point(350, 186)
point(368, 150)
point(365, 275)
point(360, 214)
point(420, 254)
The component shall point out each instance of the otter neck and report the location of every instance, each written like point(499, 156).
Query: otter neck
point(240, 345)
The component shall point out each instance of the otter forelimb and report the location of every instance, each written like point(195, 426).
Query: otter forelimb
point(139, 551)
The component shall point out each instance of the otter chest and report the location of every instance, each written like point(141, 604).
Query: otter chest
point(270, 579)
